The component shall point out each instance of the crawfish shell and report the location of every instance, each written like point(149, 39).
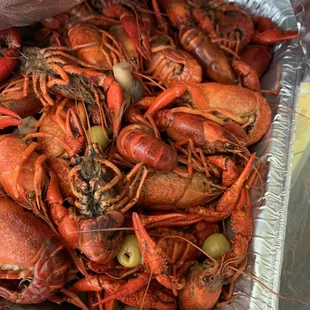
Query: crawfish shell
point(169, 191)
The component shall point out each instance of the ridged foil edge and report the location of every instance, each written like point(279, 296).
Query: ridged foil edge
point(270, 210)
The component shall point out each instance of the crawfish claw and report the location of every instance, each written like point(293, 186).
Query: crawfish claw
point(154, 257)
point(9, 118)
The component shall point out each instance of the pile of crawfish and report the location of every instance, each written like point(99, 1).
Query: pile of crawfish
point(173, 88)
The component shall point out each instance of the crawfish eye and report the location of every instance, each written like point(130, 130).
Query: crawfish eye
point(30, 196)
point(205, 279)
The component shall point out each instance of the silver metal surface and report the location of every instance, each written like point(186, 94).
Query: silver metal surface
point(270, 202)
point(295, 277)
point(270, 198)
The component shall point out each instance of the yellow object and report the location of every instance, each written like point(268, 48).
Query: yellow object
point(302, 137)
point(216, 245)
point(96, 135)
point(129, 255)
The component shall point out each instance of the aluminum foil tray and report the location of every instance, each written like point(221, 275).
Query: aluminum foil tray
point(270, 194)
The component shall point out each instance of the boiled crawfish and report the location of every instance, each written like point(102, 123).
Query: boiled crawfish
point(229, 30)
point(96, 184)
point(171, 65)
point(244, 112)
point(138, 144)
point(211, 275)
point(29, 249)
point(127, 46)
point(134, 19)
point(60, 131)
point(24, 106)
point(170, 191)
point(54, 72)
point(22, 172)
point(170, 199)
point(94, 46)
point(137, 292)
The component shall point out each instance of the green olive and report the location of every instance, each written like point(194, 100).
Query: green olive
point(216, 245)
point(97, 135)
point(129, 254)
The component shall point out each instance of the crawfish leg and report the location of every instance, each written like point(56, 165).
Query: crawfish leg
point(74, 133)
point(154, 257)
point(44, 91)
point(241, 221)
point(138, 193)
point(26, 86)
point(161, 22)
point(229, 295)
point(59, 110)
point(160, 62)
point(64, 76)
point(153, 126)
point(19, 165)
point(47, 135)
point(114, 181)
point(204, 162)
point(35, 81)
point(14, 92)
point(190, 151)
point(229, 199)
point(182, 260)
point(118, 49)
point(134, 171)
point(193, 151)
point(11, 86)
point(9, 118)
point(103, 120)
point(113, 53)
point(72, 176)
point(110, 305)
point(39, 180)
point(73, 299)
point(128, 288)
point(72, 58)
point(190, 160)
point(204, 113)
point(125, 198)
point(166, 98)
point(170, 219)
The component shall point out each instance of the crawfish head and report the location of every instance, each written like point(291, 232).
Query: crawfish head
point(202, 290)
point(89, 183)
point(33, 60)
point(80, 86)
